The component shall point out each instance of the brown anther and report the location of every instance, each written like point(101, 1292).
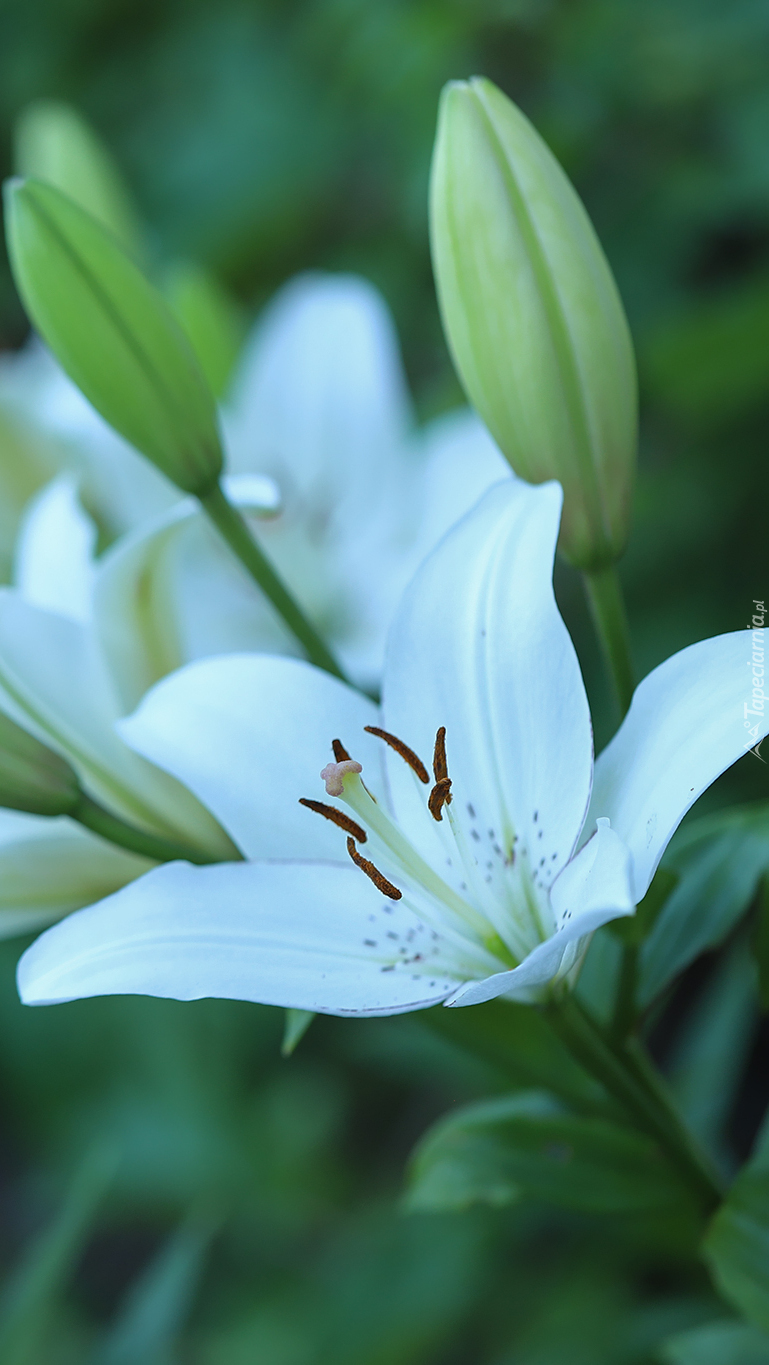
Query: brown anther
point(440, 766)
point(405, 752)
point(340, 753)
point(381, 883)
point(337, 817)
point(439, 797)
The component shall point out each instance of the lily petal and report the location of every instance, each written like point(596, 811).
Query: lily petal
point(461, 461)
point(306, 935)
point(685, 726)
point(53, 682)
point(320, 399)
point(248, 734)
point(480, 647)
point(593, 888)
point(54, 562)
point(51, 867)
point(172, 592)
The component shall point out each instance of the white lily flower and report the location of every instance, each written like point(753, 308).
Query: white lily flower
point(320, 407)
point(480, 879)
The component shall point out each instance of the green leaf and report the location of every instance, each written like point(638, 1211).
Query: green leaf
point(297, 1024)
point(527, 1146)
point(211, 320)
point(54, 143)
point(158, 1304)
point(719, 861)
point(720, 1343)
point(760, 943)
point(708, 1060)
point(737, 1242)
point(30, 1298)
point(113, 333)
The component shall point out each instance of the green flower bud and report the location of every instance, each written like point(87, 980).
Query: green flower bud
point(532, 315)
point(211, 320)
point(33, 777)
point(113, 333)
point(52, 142)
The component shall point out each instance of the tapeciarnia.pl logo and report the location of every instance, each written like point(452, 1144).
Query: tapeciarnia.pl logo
point(757, 704)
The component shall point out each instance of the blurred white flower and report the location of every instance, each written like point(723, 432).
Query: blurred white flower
point(320, 406)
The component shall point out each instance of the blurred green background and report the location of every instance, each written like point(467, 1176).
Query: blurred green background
point(252, 1214)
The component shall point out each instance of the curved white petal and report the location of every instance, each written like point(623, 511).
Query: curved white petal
point(595, 887)
point(460, 462)
point(480, 648)
point(320, 400)
point(53, 681)
point(54, 561)
point(51, 867)
point(173, 592)
point(308, 936)
point(249, 734)
point(686, 725)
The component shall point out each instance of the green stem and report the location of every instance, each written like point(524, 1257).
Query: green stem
point(624, 1015)
point(628, 1076)
point(607, 608)
point(89, 813)
point(233, 529)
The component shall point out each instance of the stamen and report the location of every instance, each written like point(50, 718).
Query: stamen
point(337, 817)
point(340, 753)
point(405, 752)
point(334, 774)
point(381, 883)
point(440, 766)
point(440, 795)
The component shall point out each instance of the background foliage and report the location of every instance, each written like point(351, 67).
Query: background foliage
point(171, 1189)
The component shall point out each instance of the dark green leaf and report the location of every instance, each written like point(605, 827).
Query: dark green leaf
point(526, 1146)
point(720, 1343)
point(761, 943)
point(737, 1243)
point(719, 861)
point(32, 1294)
point(157, 1305)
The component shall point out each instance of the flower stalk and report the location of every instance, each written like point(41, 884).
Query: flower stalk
point(234, 530)
point(628, 1076)
point(607, 608)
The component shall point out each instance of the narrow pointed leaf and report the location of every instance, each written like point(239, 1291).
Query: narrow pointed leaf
point(158, 1304)
point(31, 1295)
point(296, 1025)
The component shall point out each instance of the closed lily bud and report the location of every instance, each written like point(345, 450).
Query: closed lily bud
point(32, 777)
point(53, 142)
point(113, 333)
point(532, 315)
